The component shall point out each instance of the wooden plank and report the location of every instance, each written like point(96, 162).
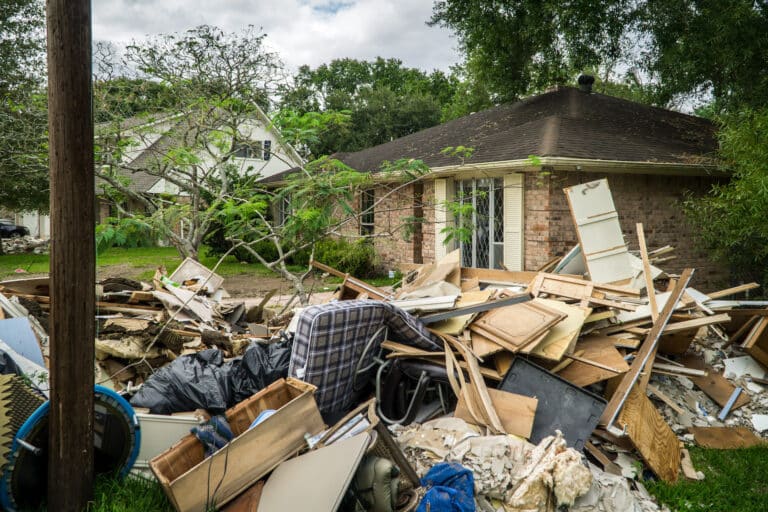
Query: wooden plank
point(516, 412)
point(608, 465)
point(732, 291)
point(647, 272)
point(756, 342)
point(725, 438)
point(651, 435)
point(561, 338)
point(456, 325)
point(671, 369)
point(486, 275)
point(644, 353)
point(664, 398)
point(595, 348)
point(484, 346)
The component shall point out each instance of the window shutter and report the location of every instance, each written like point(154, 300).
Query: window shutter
point(444, 191)
point(513, 222)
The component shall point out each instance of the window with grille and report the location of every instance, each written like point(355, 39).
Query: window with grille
point(253, 149)
point(367, 200)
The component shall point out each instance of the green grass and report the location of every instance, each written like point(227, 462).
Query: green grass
point(735, 481)
point(129, 494)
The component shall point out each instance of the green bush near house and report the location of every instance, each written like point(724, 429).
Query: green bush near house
point(358, 258)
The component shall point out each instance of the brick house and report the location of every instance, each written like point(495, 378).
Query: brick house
point(525, 153)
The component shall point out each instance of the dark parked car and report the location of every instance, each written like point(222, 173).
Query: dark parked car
point(9, 230)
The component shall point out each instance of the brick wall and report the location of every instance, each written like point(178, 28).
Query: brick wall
point(652, 200)
point(536, 221)
point(390, 219)
point(428, 226)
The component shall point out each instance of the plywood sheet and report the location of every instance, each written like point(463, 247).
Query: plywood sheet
point(516, 412)
point(518, 324)
point(561, 338)
point(651, 435)
point(599, 232)
point(600, 349)
point(724, 438)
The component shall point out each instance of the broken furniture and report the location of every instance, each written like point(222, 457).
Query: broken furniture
point(333, 341)
point(194, 483)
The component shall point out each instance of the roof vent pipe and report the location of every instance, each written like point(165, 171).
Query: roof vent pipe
point(585, 83)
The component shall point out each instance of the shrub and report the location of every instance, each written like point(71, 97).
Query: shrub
point(357, 258)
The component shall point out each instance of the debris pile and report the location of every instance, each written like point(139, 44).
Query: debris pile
point(25, 245)
point(529, 390)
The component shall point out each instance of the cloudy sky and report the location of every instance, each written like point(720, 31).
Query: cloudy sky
point(302, 31)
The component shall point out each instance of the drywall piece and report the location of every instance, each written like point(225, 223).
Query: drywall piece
point(321, 478)
point(736, 367)
point(760, 422)
point(561, 338)
point(597, 225)
point(18, 334)
point(638, 281)
point(190, 269)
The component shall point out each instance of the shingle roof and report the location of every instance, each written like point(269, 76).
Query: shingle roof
point(562, 123)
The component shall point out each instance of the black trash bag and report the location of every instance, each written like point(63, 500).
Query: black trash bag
point(205, 381)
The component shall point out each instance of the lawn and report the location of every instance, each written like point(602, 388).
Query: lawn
point(735, 481)
point(143, 259)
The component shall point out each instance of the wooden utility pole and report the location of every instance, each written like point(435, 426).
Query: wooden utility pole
point(73, 260)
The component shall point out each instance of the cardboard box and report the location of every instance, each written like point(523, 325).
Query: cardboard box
point(194, 483)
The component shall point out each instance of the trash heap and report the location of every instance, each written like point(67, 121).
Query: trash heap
point(461, 389)
point(25, 245)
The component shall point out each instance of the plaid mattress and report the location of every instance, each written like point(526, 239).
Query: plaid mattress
point(330, 339)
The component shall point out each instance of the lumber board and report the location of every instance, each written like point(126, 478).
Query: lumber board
point(561, 338)
point(714, 385)
point(487, 275)
point(725, 438)
point(608, 465)
point(516, 412)
point(456, 324)
point(596, 348)
point(644, 354)
point(666, 399)
point(732, 291)
point(671, 369)
point(647, 272)
point(651, 435)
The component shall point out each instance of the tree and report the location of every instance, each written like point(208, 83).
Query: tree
point(683, 47)
point(23, 109)
point(216, 84)
point(730, 221)
point(383, 99)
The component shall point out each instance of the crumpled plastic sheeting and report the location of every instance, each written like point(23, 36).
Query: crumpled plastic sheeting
point(611, 493)
point(525, 477)
point(204, 381)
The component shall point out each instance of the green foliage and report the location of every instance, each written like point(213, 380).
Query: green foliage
point(683, 47)
point(358, 258)
point(734, 480)
point(730, 221)
point(383, 99)
point(112, 494)
point(23, 107)
point(124, 232)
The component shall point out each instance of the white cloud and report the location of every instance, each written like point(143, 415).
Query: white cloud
point(302, 31)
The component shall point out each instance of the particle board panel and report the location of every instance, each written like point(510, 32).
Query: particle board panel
point(516, 412)
point(597, 226)
point(517, 325)
point(600, 349)
point(561, 338)
point(725, 438)
point(651, 435)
